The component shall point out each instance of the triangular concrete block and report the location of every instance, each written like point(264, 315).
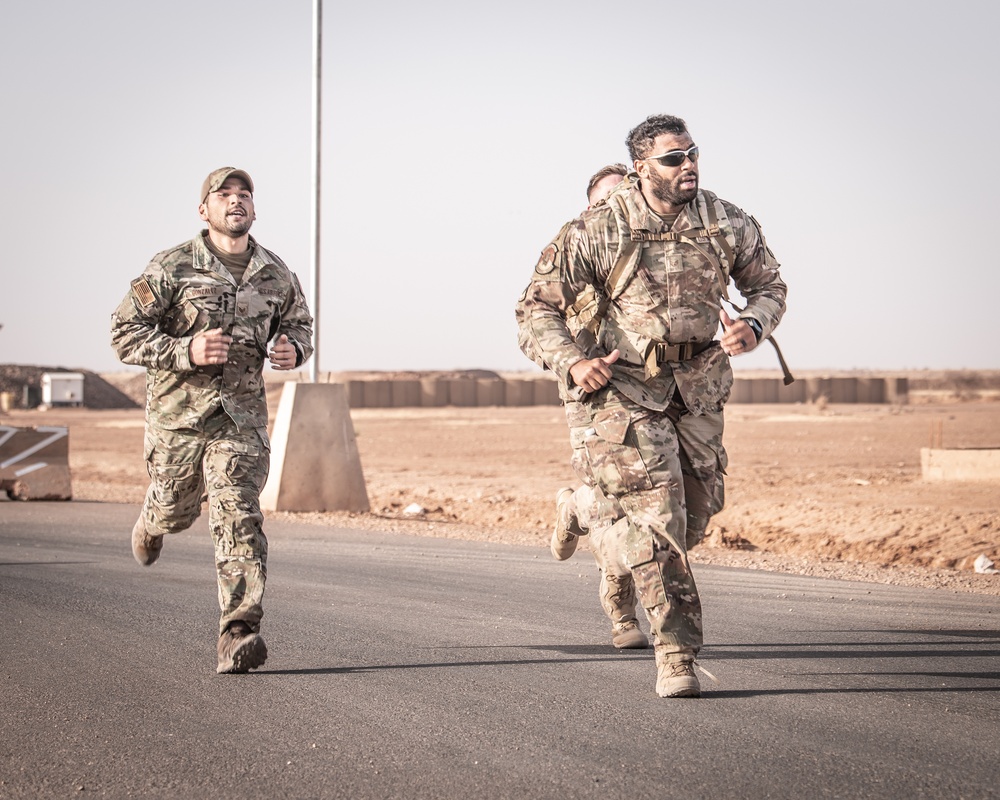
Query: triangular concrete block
point(315, 464)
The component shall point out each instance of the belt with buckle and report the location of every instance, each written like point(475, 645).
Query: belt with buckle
point(662, 352)
point(680, 352)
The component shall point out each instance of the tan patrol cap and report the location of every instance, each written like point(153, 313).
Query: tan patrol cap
point(218, 177)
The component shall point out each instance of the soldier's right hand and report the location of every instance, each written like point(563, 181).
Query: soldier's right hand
point(210, 347)
point(592, 374)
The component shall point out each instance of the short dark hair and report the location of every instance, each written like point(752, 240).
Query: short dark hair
point(642, 137)
point(602, 173)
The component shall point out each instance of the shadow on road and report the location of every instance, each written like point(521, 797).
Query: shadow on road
point(731, 694)
point(576, 654)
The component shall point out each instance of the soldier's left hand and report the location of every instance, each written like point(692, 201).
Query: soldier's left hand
point(737, 336)
point(283, 355)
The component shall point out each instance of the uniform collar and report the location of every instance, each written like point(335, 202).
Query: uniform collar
point(204, 260)
point(642, 218)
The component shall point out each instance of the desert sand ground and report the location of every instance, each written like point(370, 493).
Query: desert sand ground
point(832, 490)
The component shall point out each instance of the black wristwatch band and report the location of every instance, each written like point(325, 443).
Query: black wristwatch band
point(755, 326)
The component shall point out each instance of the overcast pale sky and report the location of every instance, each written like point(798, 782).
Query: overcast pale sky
point(459, 136)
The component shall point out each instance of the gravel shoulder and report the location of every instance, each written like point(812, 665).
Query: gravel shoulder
point(831, 491)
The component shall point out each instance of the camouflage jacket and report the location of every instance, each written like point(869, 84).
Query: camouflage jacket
point(186, 290)
point(673, 296)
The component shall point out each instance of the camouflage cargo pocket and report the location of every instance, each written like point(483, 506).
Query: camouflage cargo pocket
point(241, 459)
point(172, 455)
point(174, 465)
point(613, 453)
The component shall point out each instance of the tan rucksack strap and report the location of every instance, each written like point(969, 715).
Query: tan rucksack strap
point(584, 299)
point(615, 284)
point(621, 273)
point(715, 232)
point(617, 279)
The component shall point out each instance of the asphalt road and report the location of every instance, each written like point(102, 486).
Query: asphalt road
point(406, 667)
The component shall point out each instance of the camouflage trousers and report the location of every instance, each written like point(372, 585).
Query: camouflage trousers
point(229, 466)
point(665, 472)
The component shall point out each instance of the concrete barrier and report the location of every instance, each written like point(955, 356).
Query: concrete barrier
point(34, 463)
point(315, 464)
point(973, 464)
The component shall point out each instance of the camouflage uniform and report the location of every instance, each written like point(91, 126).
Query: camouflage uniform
point(651, 439)
point(206, 426)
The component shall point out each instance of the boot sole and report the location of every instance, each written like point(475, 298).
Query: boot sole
point(249, 654)
point(683, 687)
point(634, 640)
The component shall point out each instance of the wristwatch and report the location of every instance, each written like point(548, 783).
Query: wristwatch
point(755, 326)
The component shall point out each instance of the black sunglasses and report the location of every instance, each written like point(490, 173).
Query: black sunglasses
point(675, 157)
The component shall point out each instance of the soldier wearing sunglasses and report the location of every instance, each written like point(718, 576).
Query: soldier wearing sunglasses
point(651, 380)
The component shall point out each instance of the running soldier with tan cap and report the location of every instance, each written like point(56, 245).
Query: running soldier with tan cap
point(648, 377)
point(200, 319)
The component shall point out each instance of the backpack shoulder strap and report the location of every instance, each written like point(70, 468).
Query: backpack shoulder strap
point(624, 267)
point(717, 231)
point(717, 234)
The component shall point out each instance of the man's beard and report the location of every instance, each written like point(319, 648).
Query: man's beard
point(664, 191)
point(231, 225)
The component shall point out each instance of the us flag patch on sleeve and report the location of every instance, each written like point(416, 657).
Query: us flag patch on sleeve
point(143, 293)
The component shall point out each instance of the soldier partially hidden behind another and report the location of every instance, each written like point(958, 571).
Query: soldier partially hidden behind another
point(586, 510)
point(200, 319)
point(647, 379)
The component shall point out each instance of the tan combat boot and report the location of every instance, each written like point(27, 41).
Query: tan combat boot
point(627, 636)
point(564, 541)
point(240, 649)
point(145, 547)
point(675, 676)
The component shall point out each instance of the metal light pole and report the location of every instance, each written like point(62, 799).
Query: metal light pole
point(317, 122)
point(315, 465)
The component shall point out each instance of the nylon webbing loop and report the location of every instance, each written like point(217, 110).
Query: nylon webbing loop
point(660, 352)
